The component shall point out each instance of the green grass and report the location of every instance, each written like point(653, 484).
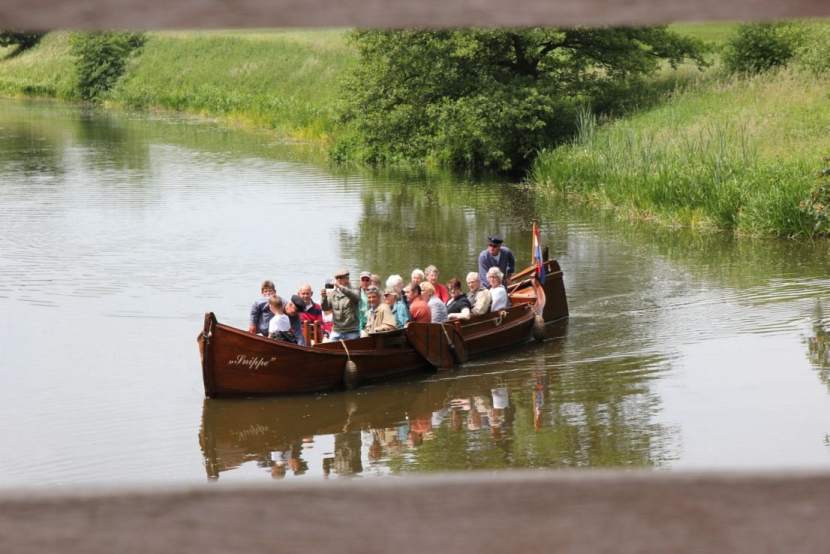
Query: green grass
point(287, 81)
point(283, 80)
point(45, 70)
point(737, 154)
point(712, 34)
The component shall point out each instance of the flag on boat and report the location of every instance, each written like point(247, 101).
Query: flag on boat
point(537, 253)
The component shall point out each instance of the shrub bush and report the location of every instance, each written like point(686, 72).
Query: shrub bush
point(23, 40)
point(759, 47)
point(100, 60)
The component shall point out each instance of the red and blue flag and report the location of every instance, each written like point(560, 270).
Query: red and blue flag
point(537, 253)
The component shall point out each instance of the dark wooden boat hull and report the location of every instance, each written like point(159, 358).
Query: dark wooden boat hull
point(237, 363)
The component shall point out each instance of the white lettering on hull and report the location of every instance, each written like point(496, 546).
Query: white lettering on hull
point(253, 363)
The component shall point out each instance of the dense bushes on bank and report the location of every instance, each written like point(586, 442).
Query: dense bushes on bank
point(759, 47)
point(476, 98)
point(100, 59)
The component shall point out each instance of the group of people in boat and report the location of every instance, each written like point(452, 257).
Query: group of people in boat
point(347, 313)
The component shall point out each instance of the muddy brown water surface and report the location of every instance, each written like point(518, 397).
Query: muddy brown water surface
point(118, 231)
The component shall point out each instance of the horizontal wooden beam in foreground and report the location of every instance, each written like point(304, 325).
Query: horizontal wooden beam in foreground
point(529, 512)
point(158, 14)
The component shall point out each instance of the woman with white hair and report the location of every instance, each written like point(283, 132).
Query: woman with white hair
point(498, 293)
point(401, 308)
point(441, 292)
point(417, 276)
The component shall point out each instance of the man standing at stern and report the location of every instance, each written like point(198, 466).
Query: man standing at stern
point(343, 301)
point(496, 255)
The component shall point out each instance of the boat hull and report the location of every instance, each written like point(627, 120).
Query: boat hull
point(237, 363)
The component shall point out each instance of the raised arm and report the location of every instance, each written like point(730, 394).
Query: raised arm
point(350, 293)
point(483, 266)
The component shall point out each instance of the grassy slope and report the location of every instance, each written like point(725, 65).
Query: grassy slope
point(45, 70)
point(726, 152)
point(285, 80)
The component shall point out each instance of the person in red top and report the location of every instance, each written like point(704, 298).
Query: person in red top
point(440, 290)
point(312, 311)
point(418, 309)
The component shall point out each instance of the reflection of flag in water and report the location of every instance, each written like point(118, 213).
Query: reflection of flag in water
point(537, 253)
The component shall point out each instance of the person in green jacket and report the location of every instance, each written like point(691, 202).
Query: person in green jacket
point(363, 308)
point(344, 303)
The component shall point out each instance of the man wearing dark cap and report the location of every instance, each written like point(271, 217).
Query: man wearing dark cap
point(293, 310)
point(343, 301)
point(496, 255)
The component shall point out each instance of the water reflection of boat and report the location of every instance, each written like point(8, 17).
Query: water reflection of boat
point(238, 431)
point(237, 363)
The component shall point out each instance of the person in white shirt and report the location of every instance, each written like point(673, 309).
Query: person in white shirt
point(280, 326)
point(498, 294)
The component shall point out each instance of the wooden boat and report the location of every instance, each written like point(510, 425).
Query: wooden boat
point(238, 431)
point(237, 363)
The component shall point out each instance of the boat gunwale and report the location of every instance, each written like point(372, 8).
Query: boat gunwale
point(485, 318)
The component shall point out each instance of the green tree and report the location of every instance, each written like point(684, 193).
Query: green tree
point(491, 98)
point(100, 60)
point(22, 39)
point(759, 47)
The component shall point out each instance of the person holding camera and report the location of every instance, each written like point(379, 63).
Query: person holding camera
point(343, 301)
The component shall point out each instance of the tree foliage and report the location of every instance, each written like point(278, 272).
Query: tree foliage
point(759, 47)
point(100, 60)
point(22, 39)
point(491, 98)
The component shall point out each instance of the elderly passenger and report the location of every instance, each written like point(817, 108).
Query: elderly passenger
point(496, 255)
point(343, 301)
point(498, 293)
point(458, 306)
point(479, 297)
point(431, 273)
point(312, 312)
point(379, 316)
point(437, 309)
point(417, 276)
point(401, 307)
point(418, 309)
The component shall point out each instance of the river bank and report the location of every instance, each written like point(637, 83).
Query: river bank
point(721, 152)
point(736, 153)
point(285, 81)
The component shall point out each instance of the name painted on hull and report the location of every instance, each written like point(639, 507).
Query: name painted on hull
point(251, 362)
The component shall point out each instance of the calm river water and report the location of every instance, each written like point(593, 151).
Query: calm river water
point(117, 232)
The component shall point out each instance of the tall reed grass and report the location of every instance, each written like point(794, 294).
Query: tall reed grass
point(741, 154)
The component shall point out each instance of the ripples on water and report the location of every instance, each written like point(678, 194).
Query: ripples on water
point(118, 232)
